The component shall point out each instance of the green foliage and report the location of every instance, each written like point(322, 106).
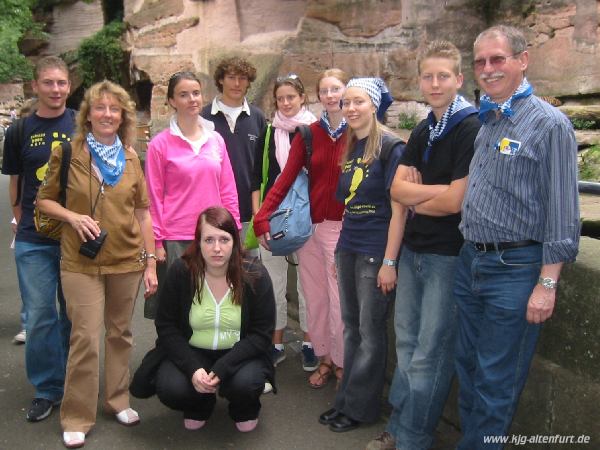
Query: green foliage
point(15, 20)
point(407, 121)
point(101, 56)
point(583, 124)
point(589, 164)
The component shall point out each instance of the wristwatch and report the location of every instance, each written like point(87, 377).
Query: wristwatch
point(548, 283)
point(389, 262)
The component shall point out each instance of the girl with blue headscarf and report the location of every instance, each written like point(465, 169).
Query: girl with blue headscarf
point(366, 252)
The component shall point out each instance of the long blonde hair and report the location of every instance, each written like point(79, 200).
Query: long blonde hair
point(95, 92)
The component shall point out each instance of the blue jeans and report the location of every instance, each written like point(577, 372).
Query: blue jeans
point(48, 330)
point(364, 313)
point(495, 343)
point(425, 325)
point(23, 316)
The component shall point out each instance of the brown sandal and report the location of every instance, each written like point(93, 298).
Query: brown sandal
point(322, 375)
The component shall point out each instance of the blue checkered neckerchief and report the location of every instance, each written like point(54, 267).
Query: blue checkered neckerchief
point(335, 134)
point(486, 104)
point(456, 112)
point(110, 159)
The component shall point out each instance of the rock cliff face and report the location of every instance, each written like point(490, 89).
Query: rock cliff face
point(71, 23)
point(366, 37)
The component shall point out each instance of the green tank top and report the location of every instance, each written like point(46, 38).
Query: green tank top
point(215, 326)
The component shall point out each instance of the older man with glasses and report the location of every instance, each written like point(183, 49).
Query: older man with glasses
point(520, 220)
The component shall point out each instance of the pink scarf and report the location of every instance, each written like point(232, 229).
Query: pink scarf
point(283, 127)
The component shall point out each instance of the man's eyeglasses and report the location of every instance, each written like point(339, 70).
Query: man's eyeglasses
point(331, 90)
point(495, 61)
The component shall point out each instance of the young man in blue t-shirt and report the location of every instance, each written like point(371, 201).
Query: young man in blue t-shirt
point(38, 258)
point(431, 179)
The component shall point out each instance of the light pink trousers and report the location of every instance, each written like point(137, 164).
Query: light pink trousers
point(317, 274)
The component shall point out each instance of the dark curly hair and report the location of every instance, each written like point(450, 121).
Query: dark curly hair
point(236, 66)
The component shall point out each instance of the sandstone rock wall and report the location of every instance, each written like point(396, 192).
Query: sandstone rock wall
point(363, 37)
point(71, 23)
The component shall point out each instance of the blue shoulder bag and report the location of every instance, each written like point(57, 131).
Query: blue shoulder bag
point(290, 223)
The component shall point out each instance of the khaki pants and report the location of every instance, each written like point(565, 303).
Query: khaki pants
point(92, 300)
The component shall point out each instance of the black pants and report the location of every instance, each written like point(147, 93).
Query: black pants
point(242, 389)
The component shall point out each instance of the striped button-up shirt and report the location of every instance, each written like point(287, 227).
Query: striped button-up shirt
point(523, 181)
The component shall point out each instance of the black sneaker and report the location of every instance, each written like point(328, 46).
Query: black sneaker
point(40, 409)
point(277, 355)
point(310, 362)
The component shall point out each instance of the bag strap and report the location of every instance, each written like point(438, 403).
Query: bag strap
point(17, 142)
point(306, 134)
point(65, 163)
point(100, 190)
point(64, 172)
point(265, 163)
point(386, 148)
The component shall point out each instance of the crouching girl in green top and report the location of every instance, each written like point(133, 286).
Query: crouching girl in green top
point(215, 320)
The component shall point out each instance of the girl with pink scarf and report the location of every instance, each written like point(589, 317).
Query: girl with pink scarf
point(290, 98)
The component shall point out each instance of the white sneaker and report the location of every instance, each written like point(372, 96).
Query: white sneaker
point(20, 337)
point(268, 388)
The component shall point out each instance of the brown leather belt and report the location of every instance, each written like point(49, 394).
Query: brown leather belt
point(490, 246)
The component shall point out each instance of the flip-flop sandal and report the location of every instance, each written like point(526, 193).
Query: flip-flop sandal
point(323, 376)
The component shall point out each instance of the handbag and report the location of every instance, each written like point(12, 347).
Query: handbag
point(46, 225)
point(251, 241)
point(291, 223)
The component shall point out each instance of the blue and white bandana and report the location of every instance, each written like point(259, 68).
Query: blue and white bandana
point(456, 112)
point(110, 159)
point(335, 134)
point(377, 91)
point(486, 104)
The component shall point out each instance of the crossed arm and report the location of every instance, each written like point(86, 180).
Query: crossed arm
point(427, 199)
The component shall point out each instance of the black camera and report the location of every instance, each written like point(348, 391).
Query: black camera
point(92, 247)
